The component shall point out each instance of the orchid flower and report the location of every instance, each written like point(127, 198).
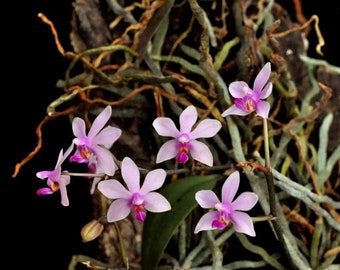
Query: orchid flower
point(135, 198)
point(93, 148)
point(55, 179)
point(229, 210)
point(248, 100)
point(184, 142)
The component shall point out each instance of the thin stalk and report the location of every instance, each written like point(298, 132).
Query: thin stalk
point(268, 172)
point(121, 244)
point(271, 192)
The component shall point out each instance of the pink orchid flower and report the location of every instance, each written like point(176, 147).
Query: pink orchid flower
point(55, 179)
point(248, 100)
point(135, 198)
point(184, 142)
point(94, 148)
point(229, 210)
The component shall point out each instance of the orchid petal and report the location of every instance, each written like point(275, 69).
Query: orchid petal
point(95, 181)
point(156, 202)
point(79, 127)
point(104, 160)
point(118, 210)
point(63, 193)
point(44, 174)
point(230, 187)
point(167, 151)
point(113, 189)
point(234, 110)
point(107, 136)
point(266, 91)
point(263, 108)
point(200, 152)
point(62, 156)
point(206, 198)
point(164, 126)
point(206, 128)
point(100, 121)
point(242, 223)
point(237, 89)
point(205, 222)
point(187, 119)
point(245, 201)
point(262, 77)
point(130, 174)
point(153, 180)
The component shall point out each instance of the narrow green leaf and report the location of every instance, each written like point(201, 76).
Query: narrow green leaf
point(160, 227)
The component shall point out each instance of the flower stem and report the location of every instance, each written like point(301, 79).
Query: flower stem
point(271, 193)
point(121, 244)
point(268, 172)
point(266, 143)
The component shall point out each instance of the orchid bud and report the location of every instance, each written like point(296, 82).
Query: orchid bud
point(91, 230)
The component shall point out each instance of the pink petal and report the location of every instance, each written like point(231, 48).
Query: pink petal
point(118, 210)
point(63, 193)
point(167, 151)
point(95, 181)
point(206, 128)
point(156, 202)
point(237, 89)
point(79, 127)
point(262, 78)
point(62, 156)
point(44, 174)
point(206, 199)
point(205, 222)
point(153, 180)
point(200, 152)
point(230, 187)
point(64, 179)
point(113, 189)
point(164, 126)
point(105, 162)
point(245, 201)
point(100, 121)
point(267, 90)
point(242, 223)
point(234, 110)
point(187, 119)
point(262, 109)
point(131, 175)
point(107, 136)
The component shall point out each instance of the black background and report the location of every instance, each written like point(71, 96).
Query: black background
point(38, 232)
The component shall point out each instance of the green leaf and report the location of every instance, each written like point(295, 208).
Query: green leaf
point(160, 227)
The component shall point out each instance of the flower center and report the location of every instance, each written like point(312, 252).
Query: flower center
point(85, 152)
point(137, 205)
point(54, 186)
point(222, 216)
point(183, 146)
point(249, 102)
